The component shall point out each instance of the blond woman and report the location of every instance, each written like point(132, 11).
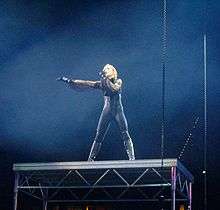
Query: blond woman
point(111, 87)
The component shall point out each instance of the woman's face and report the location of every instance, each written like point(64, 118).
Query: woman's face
point(109, 72)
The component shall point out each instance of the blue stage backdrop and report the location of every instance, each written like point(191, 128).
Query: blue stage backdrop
point(43, 120)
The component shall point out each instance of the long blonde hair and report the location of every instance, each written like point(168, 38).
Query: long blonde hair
point(110, 71)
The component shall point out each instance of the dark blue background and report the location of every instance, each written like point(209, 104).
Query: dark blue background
point(42, 120)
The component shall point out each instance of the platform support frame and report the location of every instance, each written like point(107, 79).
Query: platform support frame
point(47, 182)
point(173, 187)
point(190, 196)
point(44, 193)
point(16, 183)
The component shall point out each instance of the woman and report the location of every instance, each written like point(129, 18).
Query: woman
point(111, 85)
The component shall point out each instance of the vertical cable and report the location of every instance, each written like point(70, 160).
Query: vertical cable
point(205, 105)
point(164, 49)
point(205, 123)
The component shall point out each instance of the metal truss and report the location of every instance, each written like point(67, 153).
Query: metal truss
point(105, 181)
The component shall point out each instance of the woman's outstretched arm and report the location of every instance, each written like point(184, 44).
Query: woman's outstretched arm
point(84, 84)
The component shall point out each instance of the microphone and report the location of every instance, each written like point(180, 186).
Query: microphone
point(102, 74)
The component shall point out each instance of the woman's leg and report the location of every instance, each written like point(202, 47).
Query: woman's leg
point(123, 126)
point(102, 128)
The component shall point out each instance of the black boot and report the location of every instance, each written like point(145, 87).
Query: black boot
point(94, 150)
point(129, 149)
point(128, 145)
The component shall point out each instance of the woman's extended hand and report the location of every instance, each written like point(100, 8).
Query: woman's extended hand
point(64, 79)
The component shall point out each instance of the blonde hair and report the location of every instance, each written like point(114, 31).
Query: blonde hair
point(110, 71)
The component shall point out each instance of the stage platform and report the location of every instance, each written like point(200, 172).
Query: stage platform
point(147, 180)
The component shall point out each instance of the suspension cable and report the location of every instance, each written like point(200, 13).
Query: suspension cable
point(164, 55)
point(205, 126)
point(205, 104)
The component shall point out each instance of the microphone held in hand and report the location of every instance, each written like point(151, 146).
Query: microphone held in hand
point(102, 74)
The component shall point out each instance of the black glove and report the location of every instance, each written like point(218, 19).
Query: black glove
point(64, 79)
point(104, 82)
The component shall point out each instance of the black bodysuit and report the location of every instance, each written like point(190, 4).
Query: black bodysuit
point(112, 111)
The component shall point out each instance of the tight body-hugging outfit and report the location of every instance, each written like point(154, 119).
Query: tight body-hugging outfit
point(112, 111)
